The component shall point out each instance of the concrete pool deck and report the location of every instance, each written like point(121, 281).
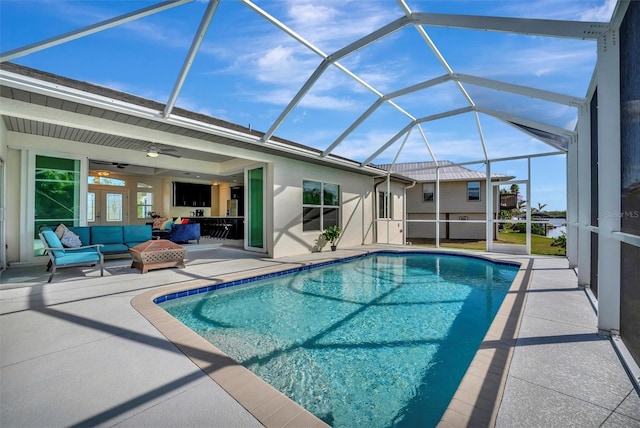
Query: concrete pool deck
point(76, 353)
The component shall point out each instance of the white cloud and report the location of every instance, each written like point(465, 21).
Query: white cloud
point(599, 13)
point(334, 23)
point(583, 10)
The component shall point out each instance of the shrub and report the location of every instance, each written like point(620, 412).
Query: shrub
point(560, 241)
point(536, 229)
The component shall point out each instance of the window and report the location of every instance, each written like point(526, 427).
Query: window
point(106, 181)
point(473, 191)
point(144, 202)
point(320, 205)
point(385, 205)
point(428, 192)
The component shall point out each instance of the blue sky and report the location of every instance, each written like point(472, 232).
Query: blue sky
point(247, 71)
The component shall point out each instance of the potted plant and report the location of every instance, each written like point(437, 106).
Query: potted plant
point(331, 235)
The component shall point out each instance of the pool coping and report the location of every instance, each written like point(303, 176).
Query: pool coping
point(484, 378)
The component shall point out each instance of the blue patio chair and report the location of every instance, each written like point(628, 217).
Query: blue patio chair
point(60, 256)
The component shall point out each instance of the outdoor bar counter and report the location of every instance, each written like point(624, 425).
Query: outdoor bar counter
point(211, 226)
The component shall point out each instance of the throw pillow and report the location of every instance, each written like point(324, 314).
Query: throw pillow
point(157, 223)
point(168, 225)
point(70, 240)
point(60, 230)
point(185, 221)
point(164, 224)
point(178, 220)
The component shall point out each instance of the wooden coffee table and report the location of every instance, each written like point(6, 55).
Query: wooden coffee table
point(156, 254)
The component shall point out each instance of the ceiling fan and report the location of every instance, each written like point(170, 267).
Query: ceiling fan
point(118, 165)
point(153, 152)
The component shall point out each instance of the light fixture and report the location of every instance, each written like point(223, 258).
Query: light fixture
point(152, 153)
point(104, 173)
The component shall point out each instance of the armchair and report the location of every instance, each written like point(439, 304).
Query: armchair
point(60, 256)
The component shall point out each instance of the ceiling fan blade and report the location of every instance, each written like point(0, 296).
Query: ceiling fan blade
point(170, 154)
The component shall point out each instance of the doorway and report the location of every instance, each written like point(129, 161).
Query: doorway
point(511, 218)
point(107, 207)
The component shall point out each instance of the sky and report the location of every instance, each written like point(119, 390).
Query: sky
point(247, 71)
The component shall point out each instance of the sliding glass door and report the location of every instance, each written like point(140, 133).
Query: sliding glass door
point(254, 215)
point(56, 196)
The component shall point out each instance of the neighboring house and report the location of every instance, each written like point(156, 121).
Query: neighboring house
point(462, 199)
point(58, 134)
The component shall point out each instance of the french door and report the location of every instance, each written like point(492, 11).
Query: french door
point(107, 207)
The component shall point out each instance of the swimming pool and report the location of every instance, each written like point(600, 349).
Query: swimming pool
point(380, 340)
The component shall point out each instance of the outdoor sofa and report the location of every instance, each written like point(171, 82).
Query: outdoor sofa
point(176, 230)
point(87, 245)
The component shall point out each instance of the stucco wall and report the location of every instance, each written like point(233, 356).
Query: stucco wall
point(454, 204)
point(453, 199)
point(356, 214)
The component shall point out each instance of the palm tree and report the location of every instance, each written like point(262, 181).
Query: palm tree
point(539, 209)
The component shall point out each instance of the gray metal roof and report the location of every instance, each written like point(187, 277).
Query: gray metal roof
point(426, 171)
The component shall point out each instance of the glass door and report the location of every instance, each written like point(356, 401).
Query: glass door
point(254, 216)
point(56, 196)
point(107, 207)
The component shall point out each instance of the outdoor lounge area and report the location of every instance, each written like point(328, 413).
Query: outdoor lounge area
point(171, 171)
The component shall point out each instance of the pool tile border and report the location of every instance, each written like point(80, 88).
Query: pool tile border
point(271, 408)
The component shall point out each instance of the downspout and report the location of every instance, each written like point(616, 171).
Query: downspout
point(388, 206)
point(404, 211)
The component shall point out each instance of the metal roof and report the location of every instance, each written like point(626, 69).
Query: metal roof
point(426, 172)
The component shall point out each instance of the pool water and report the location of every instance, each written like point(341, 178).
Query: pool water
point(378, 341)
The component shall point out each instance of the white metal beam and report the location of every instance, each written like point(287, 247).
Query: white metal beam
point(353, 126)
point(388, 143)
point(418, 86)
point(426, 141)
point(537, 27)
point(507, 118)
point(609, 195)
point(193, 50)
point(526, 91)
point(584, 196)
point(374, 36)
point(572, 203)
point(445, 114)
point(296, 99)
point(481, 135)
point(91, 29)
point(378, 103)
point(284, 28)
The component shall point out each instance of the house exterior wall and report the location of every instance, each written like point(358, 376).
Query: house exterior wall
point(356, 207)
point(283, 197)
point(391, 230)
point(454, 204)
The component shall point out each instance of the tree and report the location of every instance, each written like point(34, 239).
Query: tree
point(515, 189)
point(539, 209)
